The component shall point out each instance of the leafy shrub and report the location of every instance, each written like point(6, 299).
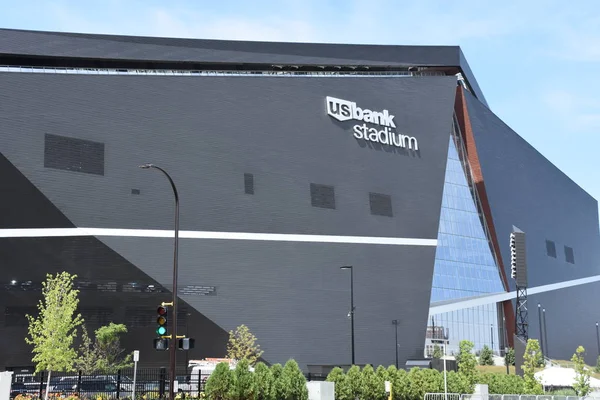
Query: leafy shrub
point(294, 382)
point(244, 384)
point(486, 357)
point(354, 381)
point(219, 383)
point(466, 360)
point(278, 382)
point(437, 352)
point(400, 385)
point(264, 382)
point(372, 386)
point(458, 383)
point(509, 357)
point(382, 373)
point(341, 382)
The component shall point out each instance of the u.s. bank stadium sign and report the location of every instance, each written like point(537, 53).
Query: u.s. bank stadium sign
point(344, 110)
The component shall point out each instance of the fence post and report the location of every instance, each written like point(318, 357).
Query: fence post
point(79, 383)
point(118, 383)
point(42, 384)
point(161, 385)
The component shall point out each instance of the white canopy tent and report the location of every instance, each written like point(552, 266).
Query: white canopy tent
point(562, 377)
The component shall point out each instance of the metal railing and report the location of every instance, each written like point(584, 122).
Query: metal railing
point(188, 73)
point(150, 383)
point(458, 396)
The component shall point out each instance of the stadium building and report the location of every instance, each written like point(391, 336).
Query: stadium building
point(291, 161)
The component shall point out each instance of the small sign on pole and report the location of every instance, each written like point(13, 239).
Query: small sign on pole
point(136, 358)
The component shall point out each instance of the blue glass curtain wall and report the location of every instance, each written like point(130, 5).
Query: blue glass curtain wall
point(464, 264)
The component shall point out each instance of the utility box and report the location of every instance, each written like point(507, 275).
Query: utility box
point(319, 390)
point(5, 383)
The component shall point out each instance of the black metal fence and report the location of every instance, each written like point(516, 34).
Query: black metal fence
point(150, 383)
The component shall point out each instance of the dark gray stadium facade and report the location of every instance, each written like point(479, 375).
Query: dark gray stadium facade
point(276, 193)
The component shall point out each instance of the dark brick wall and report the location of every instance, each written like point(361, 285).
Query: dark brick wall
point(208, 133)
point(526, 190)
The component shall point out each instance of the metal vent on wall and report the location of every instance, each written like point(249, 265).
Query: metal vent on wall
point(71, 154)
point(197, 290)
point(249, 183)
point(381, 204)
point(322, 196)
point(550, 248)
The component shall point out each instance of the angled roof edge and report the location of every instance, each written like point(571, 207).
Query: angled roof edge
point(41, 44)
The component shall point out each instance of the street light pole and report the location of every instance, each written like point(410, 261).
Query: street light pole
point(545, 333)
point(395, 322)
point(173, 341)
point(541, 330)
point(598, 339)
point(492, 336)
point(351, 306)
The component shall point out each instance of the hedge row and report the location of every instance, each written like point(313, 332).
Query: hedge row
point(368, 384)
point(275, 383)
point(288, 383)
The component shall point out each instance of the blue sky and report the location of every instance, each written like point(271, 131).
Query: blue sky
point(538, 62)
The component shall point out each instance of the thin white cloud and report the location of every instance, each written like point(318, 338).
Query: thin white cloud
point(360, 21)
point(576, 113)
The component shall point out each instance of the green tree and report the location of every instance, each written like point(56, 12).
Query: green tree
point(243, 383)
point(486, 357)
point(372, 386)
point(295, 382)
point(354, 381)
point(437, 352)
point(582, 374)
point(53, 330)
point(467, 363)
point(108, 347)
point(278, 381)
point(342, 387)
point(219, 383)
point(597, 368)
point(509, 357)
point(242, 345)
point(531, 359)
point(264, 382)
point(87, 360)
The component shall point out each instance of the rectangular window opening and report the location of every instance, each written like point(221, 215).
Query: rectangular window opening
point(249, 183)
point(322, 196)
point(569, 255)
point(550, 248)
point(381, 204)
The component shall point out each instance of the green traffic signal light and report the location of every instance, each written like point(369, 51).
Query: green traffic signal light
point(161, 330)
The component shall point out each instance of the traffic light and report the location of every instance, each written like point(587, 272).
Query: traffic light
point(161, 320)
point(185, 343)
point(161, 344)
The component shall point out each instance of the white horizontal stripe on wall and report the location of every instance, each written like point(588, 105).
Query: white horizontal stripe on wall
point(500, 297)
point(157, 233)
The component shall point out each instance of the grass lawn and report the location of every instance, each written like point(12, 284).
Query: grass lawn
point(498, 369)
